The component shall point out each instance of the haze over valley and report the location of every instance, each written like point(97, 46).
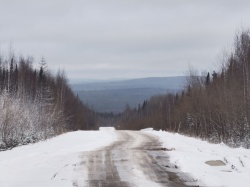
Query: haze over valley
point(115, 96)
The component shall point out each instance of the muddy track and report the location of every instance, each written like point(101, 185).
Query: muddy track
point(136, 159)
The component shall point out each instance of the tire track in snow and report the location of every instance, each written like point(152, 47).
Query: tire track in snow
point(135, 160)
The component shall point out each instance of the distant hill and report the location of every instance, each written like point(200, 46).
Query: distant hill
point(114, 96)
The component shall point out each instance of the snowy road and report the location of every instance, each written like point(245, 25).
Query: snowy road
point(123, 158)
point(135, 159)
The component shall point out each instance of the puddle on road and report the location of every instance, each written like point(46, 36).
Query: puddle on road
point(215, 163)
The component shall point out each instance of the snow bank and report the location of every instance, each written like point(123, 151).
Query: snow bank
point(190, 155)
point(106, 128)
point(147, 129)
point(51, 162)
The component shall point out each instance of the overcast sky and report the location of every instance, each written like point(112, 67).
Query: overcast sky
point(109, 39)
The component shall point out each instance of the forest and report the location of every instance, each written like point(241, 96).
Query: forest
point(213, 107)
point(35, 104)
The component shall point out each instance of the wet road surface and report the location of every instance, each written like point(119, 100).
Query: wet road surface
point(136, 159)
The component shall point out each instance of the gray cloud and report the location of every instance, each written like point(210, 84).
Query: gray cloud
point(122, 39)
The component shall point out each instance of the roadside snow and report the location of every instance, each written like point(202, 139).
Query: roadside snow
point(106, 128)
point(190, 155)
point(51, 163)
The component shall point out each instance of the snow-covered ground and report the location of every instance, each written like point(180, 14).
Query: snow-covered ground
point(190, 155)
point(50, 163)
point(54, 162)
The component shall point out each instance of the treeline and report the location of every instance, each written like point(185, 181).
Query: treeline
point(35, 104)
point(107, 119)
point(214, 107)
